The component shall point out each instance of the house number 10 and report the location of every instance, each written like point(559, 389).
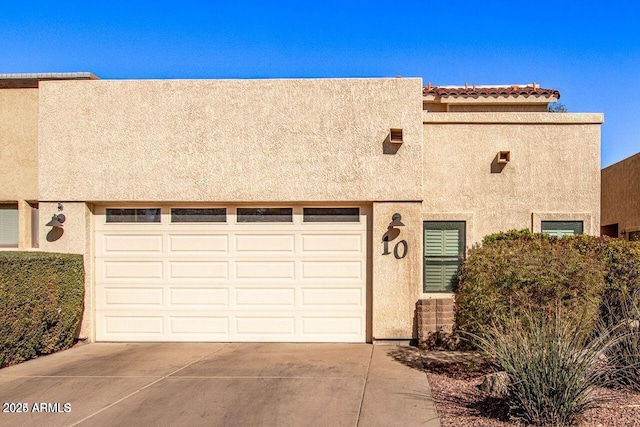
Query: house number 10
point(399, 250)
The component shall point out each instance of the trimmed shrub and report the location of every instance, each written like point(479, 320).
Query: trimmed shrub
point(518, 271)
point(41, 300)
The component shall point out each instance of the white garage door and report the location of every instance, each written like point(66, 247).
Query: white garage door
point(231, 273)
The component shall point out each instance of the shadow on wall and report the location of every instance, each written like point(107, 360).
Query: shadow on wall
point(388, 147)
point(55, 234)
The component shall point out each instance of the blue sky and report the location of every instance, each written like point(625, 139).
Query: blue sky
point(589, 50)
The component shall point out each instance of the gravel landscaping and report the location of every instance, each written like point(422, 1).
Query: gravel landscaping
point(454, 378)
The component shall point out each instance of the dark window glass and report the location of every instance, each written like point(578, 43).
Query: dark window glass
point(634, 236)
point(198, 215)
point(265, 215)
point(331, 215)
point(562, 228)
point(444, 249)
point(133, 215)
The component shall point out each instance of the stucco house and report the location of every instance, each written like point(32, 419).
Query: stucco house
point(282, 210)
point(621, 199)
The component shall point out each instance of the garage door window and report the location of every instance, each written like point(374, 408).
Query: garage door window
point(198, 215)
point(331, 215)
point(265, 215)
point(133, 215)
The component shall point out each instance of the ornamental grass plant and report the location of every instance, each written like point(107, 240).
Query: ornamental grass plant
point(553, 367)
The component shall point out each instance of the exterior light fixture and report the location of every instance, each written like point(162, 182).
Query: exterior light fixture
point(395, 136)
point(396, 221)
point(57, 219)
point(504, 157)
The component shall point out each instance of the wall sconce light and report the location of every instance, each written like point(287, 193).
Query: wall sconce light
point(504, 157)
point(395, 136)
point(623, 233)
point(396, 221)
point(57, 219)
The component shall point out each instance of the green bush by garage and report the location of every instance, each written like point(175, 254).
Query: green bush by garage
point(41, 302)
point(584, 277)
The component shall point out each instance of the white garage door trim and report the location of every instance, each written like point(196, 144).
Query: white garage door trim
point(231, 282)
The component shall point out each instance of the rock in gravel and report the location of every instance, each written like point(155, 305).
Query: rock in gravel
point(496, 384)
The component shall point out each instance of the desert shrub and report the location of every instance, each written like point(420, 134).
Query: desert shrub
point(41, 299)
point(552, 368)
point(517, 272)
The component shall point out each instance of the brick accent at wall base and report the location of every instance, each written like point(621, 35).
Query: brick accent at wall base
point(433, 317)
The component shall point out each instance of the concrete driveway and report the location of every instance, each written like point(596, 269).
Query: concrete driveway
point(220, 384)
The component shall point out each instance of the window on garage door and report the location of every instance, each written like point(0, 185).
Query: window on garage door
point(562, 228)
point(444, 248)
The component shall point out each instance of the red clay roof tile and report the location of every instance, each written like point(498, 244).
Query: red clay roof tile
point(484, 91)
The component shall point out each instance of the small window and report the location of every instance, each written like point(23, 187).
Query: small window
point(634, 236)
point(331, 215)
point(35, 221)
point(9, 225)
point(133, 215)
point(444, 249)
point(265, 215)
point(198, 215)
point(562, 228)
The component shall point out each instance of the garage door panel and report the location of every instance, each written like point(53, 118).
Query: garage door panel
point(262, 297)
point(198, 243)
point(282, 326)
point(124, 325)
point(132, 296)
point(265, 270)
point(193, 296)
point(341, 270)
point(255, 244)
point(331, 325)
point(127, 270)
point(332, 243)
point(342, 297)
point(199, 270)
point(199, 325)
point(132, 243)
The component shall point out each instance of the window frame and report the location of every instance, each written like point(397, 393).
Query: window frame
point(12, 206)
point(136, 214)
point(356, 208)
point(457, 259)
point(559, 221)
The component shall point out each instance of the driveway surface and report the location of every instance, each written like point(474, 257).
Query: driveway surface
point(218, 385)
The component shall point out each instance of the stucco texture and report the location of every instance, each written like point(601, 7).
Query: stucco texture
point(396, 282)
point(553, 170)
point(18, 144)
point(230, 140)
point(621, 194)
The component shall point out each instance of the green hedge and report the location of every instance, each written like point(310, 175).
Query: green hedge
point(41, 301)
point(582, 276)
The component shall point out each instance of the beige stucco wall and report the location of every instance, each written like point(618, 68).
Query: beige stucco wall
point(553, 172)
point(18, 144)
point(230, 140)
point(19, 155)
point(75, 237)
point(621, 195)
point(396, 282)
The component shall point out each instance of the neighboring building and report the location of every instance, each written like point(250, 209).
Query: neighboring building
point(292, 210)
point(621, 199)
